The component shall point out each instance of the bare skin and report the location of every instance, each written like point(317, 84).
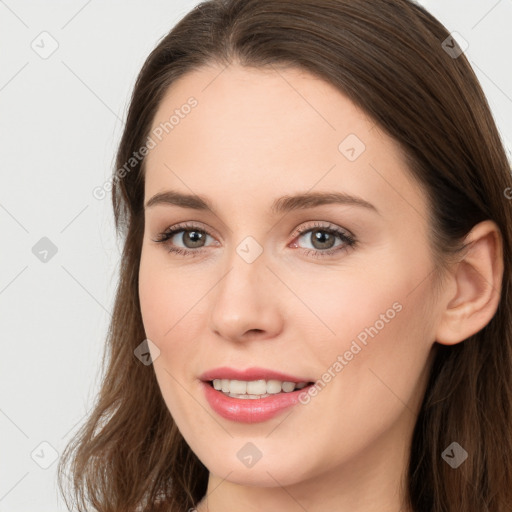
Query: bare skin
point(254, 136)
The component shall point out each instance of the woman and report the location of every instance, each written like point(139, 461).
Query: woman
point(317, 254)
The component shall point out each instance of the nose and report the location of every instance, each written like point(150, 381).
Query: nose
point(245, 304)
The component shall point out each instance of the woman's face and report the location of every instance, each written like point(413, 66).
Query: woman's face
point(271, 287)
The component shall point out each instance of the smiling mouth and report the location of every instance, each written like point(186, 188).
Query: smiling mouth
point(255, 389)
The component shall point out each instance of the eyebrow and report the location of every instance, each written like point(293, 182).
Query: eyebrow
point(280, 205)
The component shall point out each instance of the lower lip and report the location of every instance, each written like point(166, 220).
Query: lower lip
point(250, 410)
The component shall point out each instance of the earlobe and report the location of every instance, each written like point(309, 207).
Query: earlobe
point(478, 279)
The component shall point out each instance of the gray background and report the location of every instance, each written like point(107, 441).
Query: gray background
point(61, 119)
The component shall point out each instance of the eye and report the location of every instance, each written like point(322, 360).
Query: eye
point(193, 238)
point(323, 239)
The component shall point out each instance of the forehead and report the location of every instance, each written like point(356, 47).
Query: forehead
point(273, 130)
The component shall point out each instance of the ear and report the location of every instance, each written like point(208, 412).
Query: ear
point(477, 281)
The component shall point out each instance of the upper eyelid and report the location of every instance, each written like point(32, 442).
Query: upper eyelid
point(188, 226)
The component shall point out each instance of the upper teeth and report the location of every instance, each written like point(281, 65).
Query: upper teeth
point(255, 387)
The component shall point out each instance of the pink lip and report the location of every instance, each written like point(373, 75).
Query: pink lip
point(253, 373)
point(249, 410)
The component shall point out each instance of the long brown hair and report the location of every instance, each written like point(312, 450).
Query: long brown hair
point(390, 57)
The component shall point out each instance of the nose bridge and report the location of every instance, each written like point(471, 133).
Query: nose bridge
point(243, 300)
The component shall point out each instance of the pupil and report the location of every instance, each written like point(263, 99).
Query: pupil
point(196, 236)
point(320, 235)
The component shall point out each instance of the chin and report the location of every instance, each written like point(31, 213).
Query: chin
point(268, 471)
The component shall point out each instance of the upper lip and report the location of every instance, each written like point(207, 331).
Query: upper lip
point(249, 374)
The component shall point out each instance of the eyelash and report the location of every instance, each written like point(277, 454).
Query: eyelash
point(349, 240)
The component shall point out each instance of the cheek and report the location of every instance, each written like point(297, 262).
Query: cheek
point(154, 300)
point(375, 363)
point(168, 299)
point(166, 303)
point(364, 306)
point(173, 308)
point(373, 329)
